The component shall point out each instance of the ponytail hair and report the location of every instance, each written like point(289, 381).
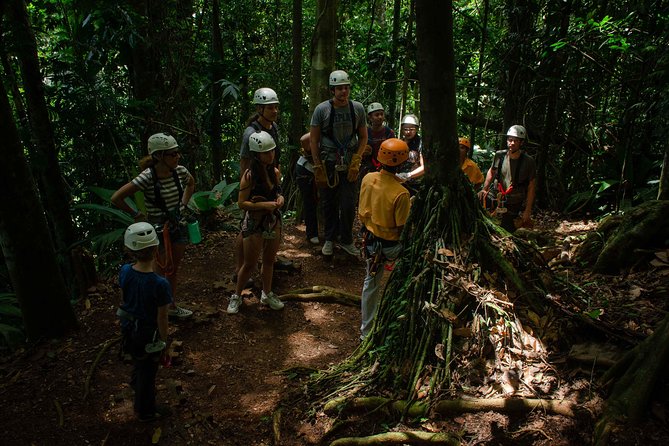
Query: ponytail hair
point(147, 162)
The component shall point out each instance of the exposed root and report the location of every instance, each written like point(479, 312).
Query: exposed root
point(320, 293)
point(450, 407)
point(276, 425)
point(89, 376)
point(412, 437)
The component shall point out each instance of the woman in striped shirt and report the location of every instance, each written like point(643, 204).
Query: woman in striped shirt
point(167, 188)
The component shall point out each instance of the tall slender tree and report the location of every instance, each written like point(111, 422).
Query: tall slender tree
point(25, 241)
point(322, 51)
point(53, 190)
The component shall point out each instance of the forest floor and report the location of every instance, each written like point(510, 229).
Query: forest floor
point(226, 382)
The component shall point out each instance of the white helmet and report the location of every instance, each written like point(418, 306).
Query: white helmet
point(374, 106)
point(161, 141)
point(517, 131)
point(411, 120)
point(139, 236)
point(339, 77)
point(261, 142)
point(265, 96)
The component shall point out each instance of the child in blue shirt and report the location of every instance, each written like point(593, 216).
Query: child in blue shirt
point(146, 299)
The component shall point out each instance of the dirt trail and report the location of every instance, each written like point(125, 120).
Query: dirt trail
point(223, 386)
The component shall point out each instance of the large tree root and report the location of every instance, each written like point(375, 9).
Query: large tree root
point(449, 407)
point(320, 293)
point(413, 437)
point(636, 373)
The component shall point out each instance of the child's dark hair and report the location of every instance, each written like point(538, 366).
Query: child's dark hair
point(142, 255)
point(264, 175)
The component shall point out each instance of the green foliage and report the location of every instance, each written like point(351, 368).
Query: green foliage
point(208, 201)
point(11, 323)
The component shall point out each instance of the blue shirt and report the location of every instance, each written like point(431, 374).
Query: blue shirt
point(143, 293)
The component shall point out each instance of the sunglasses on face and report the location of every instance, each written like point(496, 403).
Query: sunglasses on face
point(172, 154)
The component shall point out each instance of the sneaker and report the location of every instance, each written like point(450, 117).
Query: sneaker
point(314, 240)
point(180, 313)
point(160, 412)
point(350, 249)
point(235, 303)
point(328, 248)
point(271, 300)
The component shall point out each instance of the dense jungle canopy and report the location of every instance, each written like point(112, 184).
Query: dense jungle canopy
point(85, 83)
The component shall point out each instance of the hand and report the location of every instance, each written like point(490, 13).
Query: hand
point(319, 176)
point(482, 194)
point(139, 216)
point(354, 168)
point(280, 201)
point(402, 176)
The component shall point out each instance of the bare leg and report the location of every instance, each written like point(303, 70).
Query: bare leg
point(268, 258)
point(239, 253)
point(252, 246)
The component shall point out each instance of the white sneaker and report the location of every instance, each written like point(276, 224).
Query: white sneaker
point(235, 303)
point(314, 240)
point(271, 300)
point(328, 248)
point(179, 312)
point(350, 249)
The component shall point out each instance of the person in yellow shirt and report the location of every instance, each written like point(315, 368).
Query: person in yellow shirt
point(383, 210)
point(468, 166)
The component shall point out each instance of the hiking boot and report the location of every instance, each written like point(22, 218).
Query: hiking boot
point(235, 303)
point(314, 240)
point(271, 300)
point(350, 249)
point(161, 411)
point(328, 248)
point(179, 313)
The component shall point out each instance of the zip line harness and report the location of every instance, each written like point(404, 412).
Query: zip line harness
point(172, 222)
point(342, 149)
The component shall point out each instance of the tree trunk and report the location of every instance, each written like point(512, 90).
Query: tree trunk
point(323, 51)
point(296, 123)
point(26, 245)
point(390, 89)
point(663, 190)
point(479, 74)
point(53, 190)
point(436, 70)
point(217, 73)
point(408, 51)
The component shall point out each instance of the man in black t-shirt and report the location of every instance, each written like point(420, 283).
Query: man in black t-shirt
point(514, 172)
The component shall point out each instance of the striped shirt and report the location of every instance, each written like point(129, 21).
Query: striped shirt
point(168, 191)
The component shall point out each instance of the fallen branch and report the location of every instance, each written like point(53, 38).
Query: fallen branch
point(105, 347)
point(59, 411)
point(276, 426)
point(416, 409)
point(413, 437)
point(321, 293)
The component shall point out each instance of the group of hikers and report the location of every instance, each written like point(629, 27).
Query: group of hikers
point(350, 159)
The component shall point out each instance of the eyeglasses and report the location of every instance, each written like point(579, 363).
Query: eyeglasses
point(172, 154)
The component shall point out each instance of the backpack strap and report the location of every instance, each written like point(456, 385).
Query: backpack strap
point(158, 200)
point(330, 132)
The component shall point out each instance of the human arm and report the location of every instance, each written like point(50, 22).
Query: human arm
point(118, 200)
point(162, 321)
point(529, 200)
point(188, 190)
point(244, 200)
point(486, 184)
point(356, 158)
point(319, 170)
point(280, 200)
